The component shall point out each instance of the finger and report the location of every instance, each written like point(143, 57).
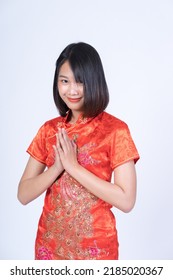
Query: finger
point(59, 149)
point(56, 153)
point(60, 140)
point(74, 145)
point(65, 137)
point(57, 141)
point(64, 140)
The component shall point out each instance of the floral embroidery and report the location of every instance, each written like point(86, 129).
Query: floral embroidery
point(94, 251)
point(60, 124)
point(75, 137)
point(70, 189)
point(44, 254)
point(83, 120)
point(76, 219)
point(84, 157)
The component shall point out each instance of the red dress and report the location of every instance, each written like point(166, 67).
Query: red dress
point(75, 224)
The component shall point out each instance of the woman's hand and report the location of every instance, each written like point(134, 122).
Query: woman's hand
point(67, 151)
point(121, 193)
point(57, 163)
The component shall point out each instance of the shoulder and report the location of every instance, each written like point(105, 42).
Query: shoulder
point(51, 126)
point(113, 122)
point(54, 122)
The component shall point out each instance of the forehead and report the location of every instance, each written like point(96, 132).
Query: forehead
point(65, 70)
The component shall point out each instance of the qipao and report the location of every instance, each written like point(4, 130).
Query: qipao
point(75, 224)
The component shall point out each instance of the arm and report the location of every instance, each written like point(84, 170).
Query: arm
point(35, 180)
point(121, 193)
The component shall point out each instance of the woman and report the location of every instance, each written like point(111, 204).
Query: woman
point(81, 149)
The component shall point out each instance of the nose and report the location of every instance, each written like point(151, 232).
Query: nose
point(73, 89)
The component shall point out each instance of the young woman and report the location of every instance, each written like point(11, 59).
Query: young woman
point(72, 158)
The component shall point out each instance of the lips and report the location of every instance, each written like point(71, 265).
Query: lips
point(74, 100)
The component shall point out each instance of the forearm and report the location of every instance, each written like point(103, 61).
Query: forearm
point(31, 188)
point(121, 194)
point(107, 191)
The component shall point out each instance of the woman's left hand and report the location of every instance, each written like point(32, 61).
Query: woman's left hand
point(67, 150)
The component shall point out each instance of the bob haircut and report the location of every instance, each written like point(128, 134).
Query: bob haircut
point(87, 68)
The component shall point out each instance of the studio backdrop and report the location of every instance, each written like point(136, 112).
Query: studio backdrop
point(135, 42)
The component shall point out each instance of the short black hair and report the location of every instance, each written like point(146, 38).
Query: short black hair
point(87, 68)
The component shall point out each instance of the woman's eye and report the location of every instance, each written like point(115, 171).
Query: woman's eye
point(64, 81)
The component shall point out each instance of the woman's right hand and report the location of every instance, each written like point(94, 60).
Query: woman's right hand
point(35, 180)
point(57, 164)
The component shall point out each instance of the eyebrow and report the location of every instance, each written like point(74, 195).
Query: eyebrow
point(62, 76)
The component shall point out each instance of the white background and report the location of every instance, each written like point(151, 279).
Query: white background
point(135, 42)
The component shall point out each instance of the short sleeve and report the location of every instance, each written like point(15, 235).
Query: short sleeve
point(123, 148)
point(37, 148)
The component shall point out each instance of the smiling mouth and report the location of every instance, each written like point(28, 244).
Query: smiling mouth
point(74, 100)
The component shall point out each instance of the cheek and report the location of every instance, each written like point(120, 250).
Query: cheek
point(81, 91)
point(61, 90)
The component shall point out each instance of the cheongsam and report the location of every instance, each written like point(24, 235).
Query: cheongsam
point(75, 224)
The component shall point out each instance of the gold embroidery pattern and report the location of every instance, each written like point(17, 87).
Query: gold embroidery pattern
point(74, 218)
point(71, 219)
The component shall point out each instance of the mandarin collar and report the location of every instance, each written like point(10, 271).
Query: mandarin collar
point(81, 119)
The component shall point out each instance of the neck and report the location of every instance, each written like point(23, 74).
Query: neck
point(74, 117)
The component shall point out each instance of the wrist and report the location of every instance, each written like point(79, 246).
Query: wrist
point(74, 169)
point(56, 170)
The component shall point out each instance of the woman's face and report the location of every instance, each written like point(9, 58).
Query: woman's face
point(71, 92)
